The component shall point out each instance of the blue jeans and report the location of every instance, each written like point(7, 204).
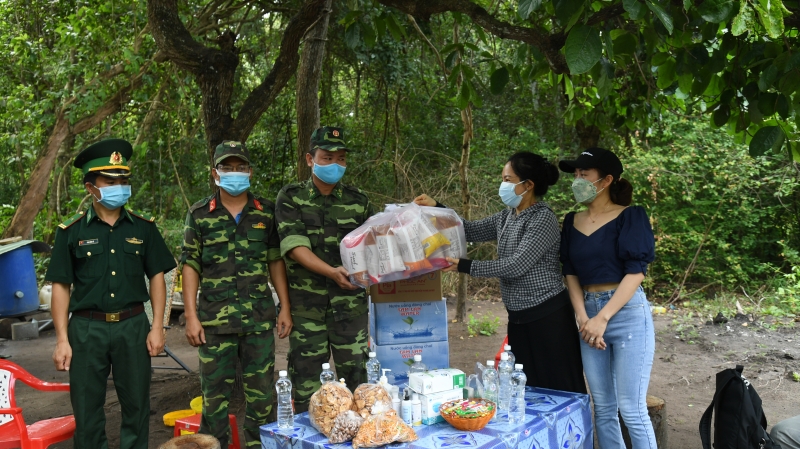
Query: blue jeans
point(618, 376)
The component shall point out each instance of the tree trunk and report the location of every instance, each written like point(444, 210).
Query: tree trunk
point(307, 96)
point(463, 172)
point(589, 135)
point(36, 187)
point(33, 199)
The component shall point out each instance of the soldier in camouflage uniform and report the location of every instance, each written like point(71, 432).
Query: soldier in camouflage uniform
point(328, 312)
point(230, 242)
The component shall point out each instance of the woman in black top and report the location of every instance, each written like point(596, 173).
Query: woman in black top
point(605, 251)
point(541, 322)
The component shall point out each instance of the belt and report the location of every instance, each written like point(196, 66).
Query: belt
point(110, 317)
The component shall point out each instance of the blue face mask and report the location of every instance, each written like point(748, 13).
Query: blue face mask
point(508, 195)
point(234, 183)
point(329, 174)
point(114, 197)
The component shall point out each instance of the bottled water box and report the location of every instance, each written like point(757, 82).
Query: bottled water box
point(408, 322)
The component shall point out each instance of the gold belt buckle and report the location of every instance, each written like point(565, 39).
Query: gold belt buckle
point(112, 317)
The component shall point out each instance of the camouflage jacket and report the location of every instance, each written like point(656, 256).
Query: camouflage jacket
point(232, 262)
point(319, 222)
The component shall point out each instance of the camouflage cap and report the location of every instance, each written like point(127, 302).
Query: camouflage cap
point(328, 138)
point(108, 158)
point(230, 148)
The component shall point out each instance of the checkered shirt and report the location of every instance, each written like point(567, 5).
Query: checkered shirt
point(528, 249)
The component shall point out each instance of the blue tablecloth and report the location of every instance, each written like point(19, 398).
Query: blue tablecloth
point(553, 419)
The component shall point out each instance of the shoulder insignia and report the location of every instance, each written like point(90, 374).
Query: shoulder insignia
point(72, 220)
point(200, 203)
point(292, 186)
point(212, 205)
point(354, 189)
point(257, 204)
point(141, 215)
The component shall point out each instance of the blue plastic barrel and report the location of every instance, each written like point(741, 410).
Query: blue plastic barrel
point(18, 292)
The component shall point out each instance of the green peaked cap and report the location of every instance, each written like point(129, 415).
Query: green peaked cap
point(108, 157)
point(328, 138)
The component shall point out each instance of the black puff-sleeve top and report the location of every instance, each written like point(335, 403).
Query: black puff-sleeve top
point(625, 245)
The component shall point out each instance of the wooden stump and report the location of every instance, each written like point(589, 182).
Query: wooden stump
point(194, 441)
point(657, 409)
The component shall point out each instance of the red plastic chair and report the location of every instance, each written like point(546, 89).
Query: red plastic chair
point(502, 350)
point(14, 433)
point(191, 424)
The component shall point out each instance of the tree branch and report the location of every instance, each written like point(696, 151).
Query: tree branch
point(178, 45)
point(549, 45)
point(285, 66)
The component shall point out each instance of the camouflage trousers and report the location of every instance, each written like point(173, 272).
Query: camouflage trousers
point(256, 353)
point(311, 344)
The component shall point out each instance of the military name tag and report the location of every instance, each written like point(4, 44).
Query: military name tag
point(134, 240)
point(88, 242)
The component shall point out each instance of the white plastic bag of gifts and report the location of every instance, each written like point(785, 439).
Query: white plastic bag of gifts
point(370, 252)
point(450, 225)
point(402, 242)
point(422, 246)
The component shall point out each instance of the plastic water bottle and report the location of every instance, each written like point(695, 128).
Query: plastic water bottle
point(490, 382)
point(516, 413)
point(326, 375)
point(418, 366)
point(373, 368)
point(285, 410)
point(504, 371)
point(511, 358)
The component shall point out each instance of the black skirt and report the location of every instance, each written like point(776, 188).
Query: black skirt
point(548, 347)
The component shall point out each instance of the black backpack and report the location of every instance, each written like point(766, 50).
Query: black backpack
point(739, 421)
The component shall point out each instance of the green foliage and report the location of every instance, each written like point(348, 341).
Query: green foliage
point(483, 326)
point(583, 49)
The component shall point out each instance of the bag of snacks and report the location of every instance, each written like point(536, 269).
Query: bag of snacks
point(417, 237)
point(369, 397)
point(332, 399)
point(402, 242)
point(383, 428)
point(345, 427)
point(450, 225)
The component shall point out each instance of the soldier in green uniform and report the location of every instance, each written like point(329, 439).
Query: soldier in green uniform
point(328, 312)
point(230, 244)
point(105, 253)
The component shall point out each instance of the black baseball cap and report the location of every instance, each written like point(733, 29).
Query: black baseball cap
point(599, 158)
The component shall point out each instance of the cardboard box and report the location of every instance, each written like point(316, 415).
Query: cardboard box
point(436, 380)
point(431, 403)
point(408, 322)
point(399, 358)
point(427, 287)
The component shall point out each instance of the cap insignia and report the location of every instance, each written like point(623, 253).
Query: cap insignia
point(116, 158)
point(335, 133)
point(233, 144)
point(259, 225)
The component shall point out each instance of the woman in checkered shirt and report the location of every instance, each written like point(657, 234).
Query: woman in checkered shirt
point(541, 321)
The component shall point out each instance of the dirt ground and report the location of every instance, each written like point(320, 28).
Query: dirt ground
point(688, 354)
